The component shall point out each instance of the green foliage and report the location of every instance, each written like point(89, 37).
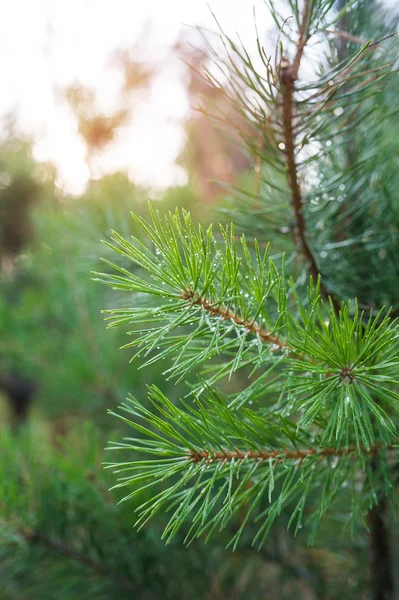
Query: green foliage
point(336, 373)
point(187, 267)
point(62, 535)
point(312, 420)
point(48, 301)
point(344, 141)
point(227, 464)
point(362, 356)
point(289, 409)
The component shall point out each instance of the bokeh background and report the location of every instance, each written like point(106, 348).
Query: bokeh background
point(97, 118)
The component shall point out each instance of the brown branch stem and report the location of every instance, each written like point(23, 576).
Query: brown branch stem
point(288, 77)
point(347, 36)
point(228, 315)
point(303, 38)
point(209, 456)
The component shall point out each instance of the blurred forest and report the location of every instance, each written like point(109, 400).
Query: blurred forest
point(62, 534)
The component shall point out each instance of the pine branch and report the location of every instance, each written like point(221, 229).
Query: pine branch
point(346, 36)
point(38, 539)
point(301, 43)
point(287, 82)
point(288, 77)
point(67, 551)
point(209, 456)
point(228, 315)
point(193, 467)
point(212, 298)
point(233, 295)
point(314, 116)
point(336, 371)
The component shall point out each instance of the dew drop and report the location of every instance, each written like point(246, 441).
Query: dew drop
point(339, 111)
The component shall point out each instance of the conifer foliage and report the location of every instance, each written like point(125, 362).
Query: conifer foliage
point(313, 415)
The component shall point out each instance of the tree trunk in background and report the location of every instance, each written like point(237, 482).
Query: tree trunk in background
point(20, 392)
point(381, 560)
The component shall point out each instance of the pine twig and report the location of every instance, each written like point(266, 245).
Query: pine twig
point(209, 456)
point(229, 315)
point(288, 77)
point(303, 38)
point(347, 36)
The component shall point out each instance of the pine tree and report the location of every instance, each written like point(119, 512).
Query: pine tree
point(290, 348)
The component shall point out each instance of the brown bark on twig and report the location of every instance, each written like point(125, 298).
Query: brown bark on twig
point(210, 456)
point(229, 315)
point(288, 77)
point(288, 88)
